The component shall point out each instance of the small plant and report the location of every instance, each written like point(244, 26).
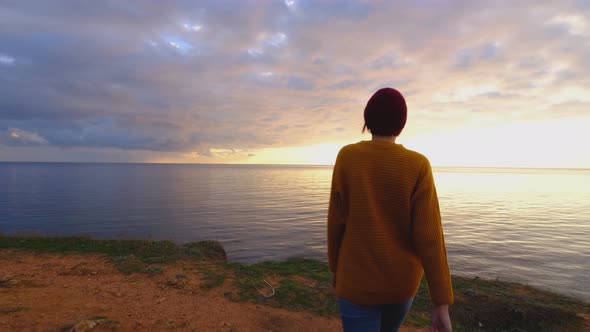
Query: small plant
point(129, 264)
point(211, 277)
point(211, 250)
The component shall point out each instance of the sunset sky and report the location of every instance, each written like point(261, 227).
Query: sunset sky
point(488, 83)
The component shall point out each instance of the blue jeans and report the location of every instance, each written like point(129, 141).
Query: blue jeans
point(380, 318)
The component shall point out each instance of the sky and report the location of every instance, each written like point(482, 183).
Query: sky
point(488, 83)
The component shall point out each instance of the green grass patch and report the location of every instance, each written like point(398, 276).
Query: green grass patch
point(212, 278)
point(294, 294)
point(129, 256)
point(299, 284)
point(206, 250)
point(494, 305)
point(147, 251)
point(309, 268)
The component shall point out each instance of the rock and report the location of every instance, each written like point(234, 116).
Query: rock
point(85, 325)
point(9, 281)
point(175, 283)
point(115, 294)
point(152, 270)
point(77, 270)
point(470, 292)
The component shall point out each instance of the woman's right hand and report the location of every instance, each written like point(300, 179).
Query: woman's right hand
point(441, 321)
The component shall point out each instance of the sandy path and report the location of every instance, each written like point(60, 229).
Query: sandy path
point(50, 292)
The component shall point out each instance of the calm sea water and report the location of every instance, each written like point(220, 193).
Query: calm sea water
point(523, 225)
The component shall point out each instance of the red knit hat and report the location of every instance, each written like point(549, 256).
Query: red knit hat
point(386, 113)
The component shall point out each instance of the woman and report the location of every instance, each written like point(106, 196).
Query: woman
point(384, 226)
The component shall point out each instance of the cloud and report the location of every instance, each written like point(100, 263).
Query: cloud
point(192, 27)
point(6, 60)
point(19, 137)
point(202, 78)
point(470, 56)
point(299, 83)
point(390, 60)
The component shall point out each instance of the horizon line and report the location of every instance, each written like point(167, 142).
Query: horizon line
point(298, 165)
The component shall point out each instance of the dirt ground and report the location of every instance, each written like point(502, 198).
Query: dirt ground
point(53, 292)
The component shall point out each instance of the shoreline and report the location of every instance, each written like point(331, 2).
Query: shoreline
point(296, 286)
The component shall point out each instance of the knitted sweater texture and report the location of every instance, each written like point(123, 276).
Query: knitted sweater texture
point(384, 226)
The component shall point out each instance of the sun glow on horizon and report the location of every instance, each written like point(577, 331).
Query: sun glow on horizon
point(549, 144)
point(556, 143)
point(318, 154)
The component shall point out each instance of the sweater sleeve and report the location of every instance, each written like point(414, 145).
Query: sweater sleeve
point(336, 214)
point(428, 237)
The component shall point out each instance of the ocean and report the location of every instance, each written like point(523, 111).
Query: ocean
point(523, 225)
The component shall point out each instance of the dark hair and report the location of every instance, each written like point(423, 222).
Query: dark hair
point(386, 113)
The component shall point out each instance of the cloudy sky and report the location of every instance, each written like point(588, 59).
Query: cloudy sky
point(488, 83)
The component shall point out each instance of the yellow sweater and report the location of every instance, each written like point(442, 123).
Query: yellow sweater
point(384, 226)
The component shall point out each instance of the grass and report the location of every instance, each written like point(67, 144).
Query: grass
point(300, 284)
point(212, 275)
point(129, 256)
point(147, 251)
point(304, 284)
point(309, 268)
point(494, 305)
